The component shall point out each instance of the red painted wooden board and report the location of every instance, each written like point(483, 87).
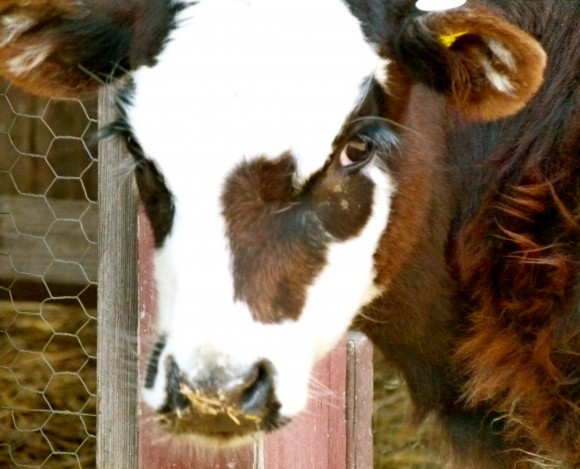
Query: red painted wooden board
point(318, 440)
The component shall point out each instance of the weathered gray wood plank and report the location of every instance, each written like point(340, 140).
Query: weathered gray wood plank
point(359, 402)
point(53, 240)
point(118, 306)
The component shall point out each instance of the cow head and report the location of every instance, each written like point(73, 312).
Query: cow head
point(282, 133)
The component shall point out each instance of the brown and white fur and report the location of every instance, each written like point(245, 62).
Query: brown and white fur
point(320, 164)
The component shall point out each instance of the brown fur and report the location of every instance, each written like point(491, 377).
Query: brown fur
point(523, 348)
point(261, 194)
point(73, 48)
point(508, 355)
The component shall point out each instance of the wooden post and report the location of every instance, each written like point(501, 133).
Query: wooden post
point(359, 402)
point(117, 303)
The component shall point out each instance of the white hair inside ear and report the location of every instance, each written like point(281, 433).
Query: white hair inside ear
point(438, 5)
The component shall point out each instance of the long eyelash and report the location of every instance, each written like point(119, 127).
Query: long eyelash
point(386, 121)
point(379, 136)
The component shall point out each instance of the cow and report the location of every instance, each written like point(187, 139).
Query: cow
point(307, 166)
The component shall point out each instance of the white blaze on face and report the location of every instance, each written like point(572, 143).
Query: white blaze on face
point(241, 79)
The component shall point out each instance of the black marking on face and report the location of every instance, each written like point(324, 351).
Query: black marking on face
point(153, 365)
point(155, 195)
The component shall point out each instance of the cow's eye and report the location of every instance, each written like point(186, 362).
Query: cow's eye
point(356, 153)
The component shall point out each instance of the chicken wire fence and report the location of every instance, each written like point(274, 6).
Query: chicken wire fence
point(48, 280)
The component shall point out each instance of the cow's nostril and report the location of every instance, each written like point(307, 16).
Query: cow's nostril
point(175, 398)
point(252, 391)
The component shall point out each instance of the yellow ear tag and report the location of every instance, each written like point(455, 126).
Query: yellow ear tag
point(448, 39)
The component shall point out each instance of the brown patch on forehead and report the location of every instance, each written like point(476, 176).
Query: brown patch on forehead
point(279, 234)
point(277, 247)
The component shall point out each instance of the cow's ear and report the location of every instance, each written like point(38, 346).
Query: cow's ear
point(485, 66)
point(69, 47)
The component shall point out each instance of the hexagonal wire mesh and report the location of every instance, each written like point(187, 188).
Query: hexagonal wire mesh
point(48, 276)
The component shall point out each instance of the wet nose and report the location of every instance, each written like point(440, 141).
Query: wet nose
point(223, 403)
